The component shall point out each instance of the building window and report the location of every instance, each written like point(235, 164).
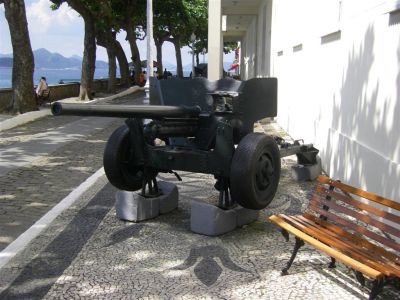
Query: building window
point(298, 48)
point(331, 37)
point(394, 18)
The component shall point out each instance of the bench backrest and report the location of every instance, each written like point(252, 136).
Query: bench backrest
point(360, 213)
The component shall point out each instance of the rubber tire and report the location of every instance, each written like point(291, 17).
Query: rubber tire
point(256, 154)
point(116, 155)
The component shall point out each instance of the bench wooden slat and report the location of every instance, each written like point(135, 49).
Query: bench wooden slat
point(376, 211)
point(363, 242)
point(365, 218)
point(372, 259)
point(359, 192)
point(358, 228)
point(368, 271)
point(348, 249)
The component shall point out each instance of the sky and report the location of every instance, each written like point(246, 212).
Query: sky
point(62, 31)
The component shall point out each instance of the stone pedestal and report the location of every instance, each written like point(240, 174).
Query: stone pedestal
point(306, 172)
point(131, 206)
point(211, 220)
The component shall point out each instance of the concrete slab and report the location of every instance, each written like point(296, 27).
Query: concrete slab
point(208, 219)
point(306, 172)
point(131, 206)
point(169, 200)
point(211, 220)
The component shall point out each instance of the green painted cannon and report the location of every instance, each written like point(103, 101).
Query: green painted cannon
point(197, 126)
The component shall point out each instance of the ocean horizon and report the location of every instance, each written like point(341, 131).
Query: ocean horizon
point(54, 76)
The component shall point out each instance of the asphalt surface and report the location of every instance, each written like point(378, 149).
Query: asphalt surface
point(88, 253)
point(42, 161)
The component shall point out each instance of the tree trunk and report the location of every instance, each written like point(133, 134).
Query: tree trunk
point(197, 59)
point(89, 52)
point(131, 36)
point(22, 75)
point(123, 63)
point(89, 60)
point(179, 70)
point(160, 67)
point(112, 70)
point(106, 39)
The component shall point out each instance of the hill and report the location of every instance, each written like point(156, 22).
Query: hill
point(45, 59)
point(6, 62)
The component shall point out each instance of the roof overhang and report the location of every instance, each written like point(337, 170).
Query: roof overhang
point(240, 14)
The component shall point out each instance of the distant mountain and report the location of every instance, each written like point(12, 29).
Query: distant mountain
point(6, 62)
point(5, 55)
point(45, 59)
point(169, 66)
point(188, 67)
point(76, 57)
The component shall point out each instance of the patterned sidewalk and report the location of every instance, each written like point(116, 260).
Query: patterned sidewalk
point(89, 254)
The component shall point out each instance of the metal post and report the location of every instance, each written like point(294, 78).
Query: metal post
point(149, 48)
point(193, 39)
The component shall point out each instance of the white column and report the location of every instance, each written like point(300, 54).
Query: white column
point(149, 50)
point(215, 41)
point(149, 40)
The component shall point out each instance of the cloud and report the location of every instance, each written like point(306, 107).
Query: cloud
point(58, 31)
point(42, 18)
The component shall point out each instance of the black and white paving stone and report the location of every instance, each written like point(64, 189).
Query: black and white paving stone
point(88, 253)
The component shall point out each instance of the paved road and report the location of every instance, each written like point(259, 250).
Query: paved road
point(87, 253)
point(43, 161)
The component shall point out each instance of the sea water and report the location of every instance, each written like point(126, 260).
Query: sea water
point(53, 76)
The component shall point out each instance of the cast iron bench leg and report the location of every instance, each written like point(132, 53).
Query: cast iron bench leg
point(332, 264)
point(360, 277)
point(299, 243)
point(377, 286)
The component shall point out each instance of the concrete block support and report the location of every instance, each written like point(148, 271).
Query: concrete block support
point(131, 206)
point(306, 172)
point(211, 220)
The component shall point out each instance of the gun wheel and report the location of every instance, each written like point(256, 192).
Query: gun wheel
point(255, 171)
point(116, 160)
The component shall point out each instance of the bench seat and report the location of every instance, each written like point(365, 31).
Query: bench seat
point(359, 234)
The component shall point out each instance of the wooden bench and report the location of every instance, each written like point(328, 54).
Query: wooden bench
point(340, 222)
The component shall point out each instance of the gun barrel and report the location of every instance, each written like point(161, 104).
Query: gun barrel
point(125, 111)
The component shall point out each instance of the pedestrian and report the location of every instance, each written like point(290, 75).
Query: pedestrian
point(165, 74)
point(142, 78)
point(41, 87)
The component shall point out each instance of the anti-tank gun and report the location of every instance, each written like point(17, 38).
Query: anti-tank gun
point(205, 127)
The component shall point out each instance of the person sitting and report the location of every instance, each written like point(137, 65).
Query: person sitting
point(42, 91)
point(42, 86)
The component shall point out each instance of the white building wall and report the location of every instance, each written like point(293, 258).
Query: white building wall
point(337, 64)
